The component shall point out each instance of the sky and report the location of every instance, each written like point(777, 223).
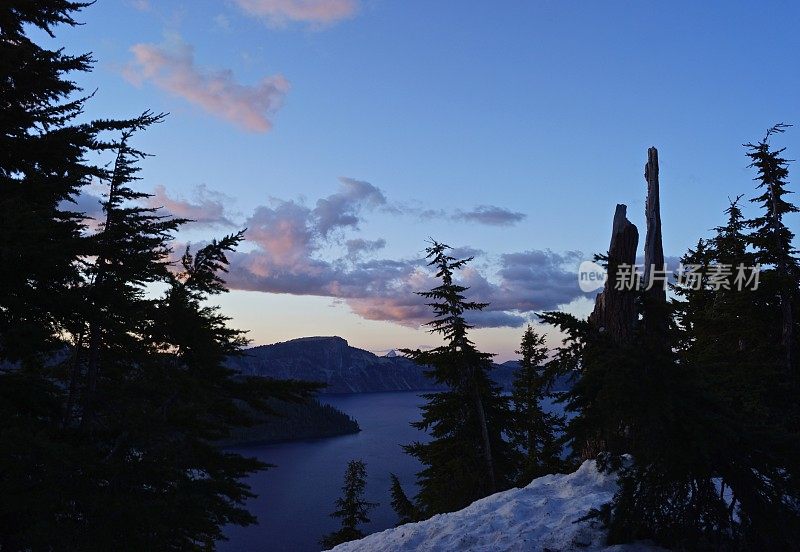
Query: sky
point(344, 134)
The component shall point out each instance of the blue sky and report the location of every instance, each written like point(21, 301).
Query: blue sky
point(406, 117)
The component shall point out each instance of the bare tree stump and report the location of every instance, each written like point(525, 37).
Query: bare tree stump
point(655, 312)
point(615, 310)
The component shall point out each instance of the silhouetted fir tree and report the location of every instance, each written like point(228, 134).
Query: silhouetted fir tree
point(351, 507)
point(690, 311)
point(711, 467)
point(607, 374)
point(42, 166)
point(723, 325)
point(684, 436)
point(770, 384)
point(638, 399)
point(111, 393)
point(467, 457)
point(734, 485)
point(148, 384)
point(534, 432)
point(406, 511)
point(772, 239)
point(130, 251)
point(773, 318)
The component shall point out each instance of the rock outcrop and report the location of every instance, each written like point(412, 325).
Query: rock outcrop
point(332, 361)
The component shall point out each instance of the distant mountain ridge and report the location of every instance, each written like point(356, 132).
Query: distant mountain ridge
point(343, 368)
point(333, 361)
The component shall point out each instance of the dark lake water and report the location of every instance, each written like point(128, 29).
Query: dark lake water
point(296, 497)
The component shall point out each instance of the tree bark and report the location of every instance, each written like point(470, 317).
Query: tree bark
point(487, 446)
point(614, 312)
point(655, 312)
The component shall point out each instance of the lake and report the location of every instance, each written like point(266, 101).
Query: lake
point(296, 497)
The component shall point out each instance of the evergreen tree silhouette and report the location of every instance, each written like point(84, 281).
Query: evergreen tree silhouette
point(534, 432)
point(405, 509)
point(772, 239)
point(467, 457)
point(711, 425)
point(114, 387)
point(351, 507)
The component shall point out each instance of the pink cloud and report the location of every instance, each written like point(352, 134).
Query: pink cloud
point(216, 92)
point(205, 209)
point(278, 12)
point(284, 236)
point(292, 249)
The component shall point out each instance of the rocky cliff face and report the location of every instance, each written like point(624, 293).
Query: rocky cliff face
point(346, 369)
point(331, 360)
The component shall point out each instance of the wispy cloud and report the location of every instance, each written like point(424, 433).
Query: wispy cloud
point(206, 208)
point(359, 246)
point(222, 22)
point(342, 209)
point(316, 12)
point(172, 68)
point(141, 5)
point(491, 215)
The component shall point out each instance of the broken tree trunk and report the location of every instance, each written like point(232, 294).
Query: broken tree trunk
point(614, 311)
point(655, 299)
point(614, 314)
point(487, 447)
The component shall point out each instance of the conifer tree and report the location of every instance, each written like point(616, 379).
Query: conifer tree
point(772, 239)
point(111, 394)
point(637, 399)
point(734, 484)
point(721, 322)
point(602, 401)
point(713, 465)
point(43, 165)
point(774, 312)
point(406, 511)
point(708, 419)
point(147, 392)
point(534, 432)
point(130, 250)
point(693, 289)
point(351, 507)
point(467, 457)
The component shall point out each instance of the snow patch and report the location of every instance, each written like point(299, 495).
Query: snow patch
point(541, 517)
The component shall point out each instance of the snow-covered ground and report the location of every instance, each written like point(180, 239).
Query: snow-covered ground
point(538, 518)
